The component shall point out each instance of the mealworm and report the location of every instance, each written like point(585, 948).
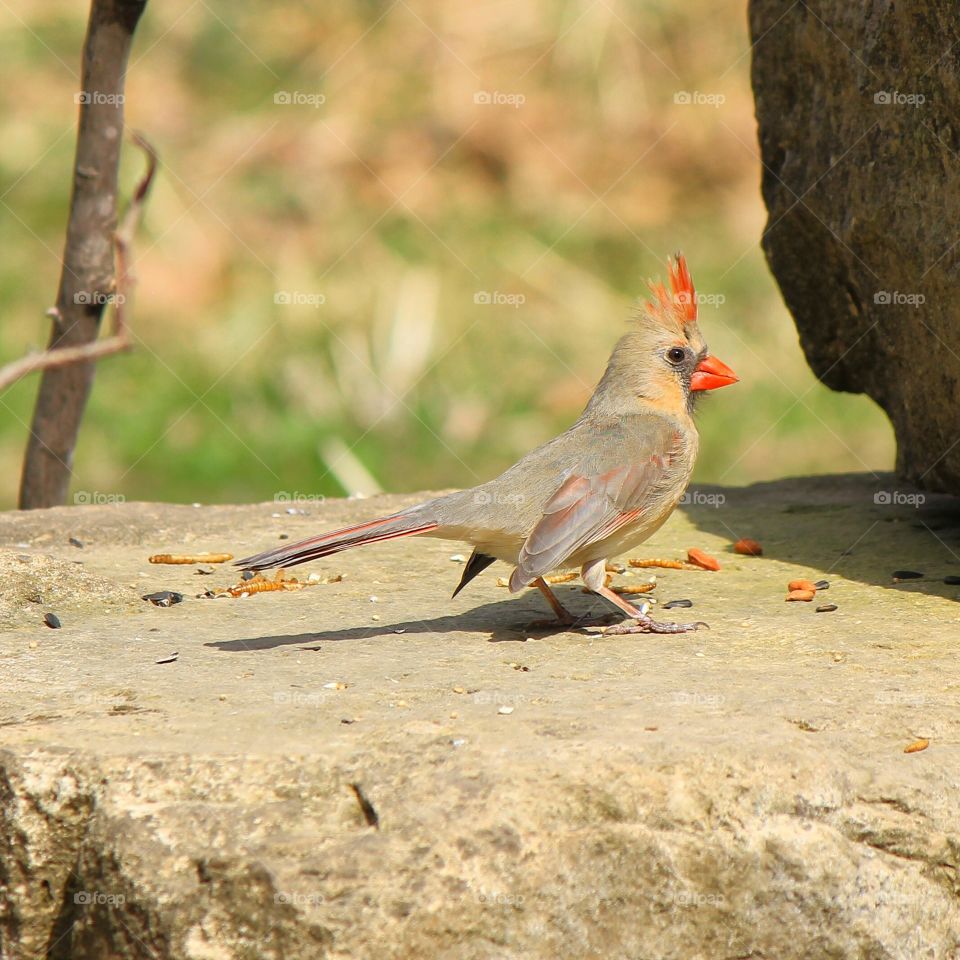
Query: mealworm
point(191, 558)
point(562, 577)
point(667, 564)
point(635, 588)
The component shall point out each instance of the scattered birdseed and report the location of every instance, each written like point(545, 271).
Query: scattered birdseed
point(169, 659)
point(458, 558)
point(822, 585)
point(748, 548)
point(916, 746)
point(702, 559)
point(373, 599)
point(459, 689)
point(504, 711)
point(74, 542)
point(805, 595)
point(163, 598)
point(348, 720)
point(52, 621)
point(906, 575)
point(801, 585)
point(677, 603)
point(335, 685)
point(826, 608)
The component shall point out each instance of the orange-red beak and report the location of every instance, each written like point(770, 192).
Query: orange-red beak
point(711, 373)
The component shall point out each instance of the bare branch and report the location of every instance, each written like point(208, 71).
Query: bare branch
point(119, 338)
point(88, 276)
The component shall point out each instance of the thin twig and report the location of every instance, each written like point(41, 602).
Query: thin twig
point(119, 339)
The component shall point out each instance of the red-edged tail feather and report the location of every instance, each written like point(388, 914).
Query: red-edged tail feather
point(313, 548)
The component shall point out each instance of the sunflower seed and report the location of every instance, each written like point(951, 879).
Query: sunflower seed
point(163, 598)
point(52, 621)
point(826, 608)
point(822, 584)
point(677, 603)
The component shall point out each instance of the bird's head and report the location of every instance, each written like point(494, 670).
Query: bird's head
point(664, 361)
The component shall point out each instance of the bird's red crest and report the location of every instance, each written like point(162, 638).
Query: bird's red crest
point(679, 306)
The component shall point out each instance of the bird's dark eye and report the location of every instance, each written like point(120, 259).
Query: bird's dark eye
point(676, 354)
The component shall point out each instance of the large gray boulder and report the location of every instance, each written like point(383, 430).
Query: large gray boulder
point(737, 792)
point(857, 106)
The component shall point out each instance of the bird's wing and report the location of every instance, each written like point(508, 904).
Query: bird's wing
point(598, 496)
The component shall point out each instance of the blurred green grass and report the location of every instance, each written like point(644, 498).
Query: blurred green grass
point(397, 201)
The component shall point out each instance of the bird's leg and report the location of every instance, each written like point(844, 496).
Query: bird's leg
point(564, 616)
point(594, 574)
point(644, 624)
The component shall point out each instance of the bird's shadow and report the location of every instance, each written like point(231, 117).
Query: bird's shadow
point(503, 621)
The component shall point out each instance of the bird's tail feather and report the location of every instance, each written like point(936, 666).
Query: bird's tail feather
point(404, 524)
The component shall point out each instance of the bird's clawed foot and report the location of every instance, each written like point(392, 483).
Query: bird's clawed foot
point(647, 625)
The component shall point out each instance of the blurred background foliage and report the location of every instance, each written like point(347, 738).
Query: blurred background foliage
point(307, 314)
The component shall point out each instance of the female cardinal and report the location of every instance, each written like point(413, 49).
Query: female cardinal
point(599, 489)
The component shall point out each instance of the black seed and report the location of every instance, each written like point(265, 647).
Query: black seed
point(74, 542)
point(822, 584)
point(826, 608)
point(247, 575)
point(52, 621)
point(952, 581)
point(906, 575)
point(670, 604)
point(284, 536)
point(163, 598)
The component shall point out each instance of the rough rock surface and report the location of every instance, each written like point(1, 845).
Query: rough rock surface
point(857, 105)
point(739, 792)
